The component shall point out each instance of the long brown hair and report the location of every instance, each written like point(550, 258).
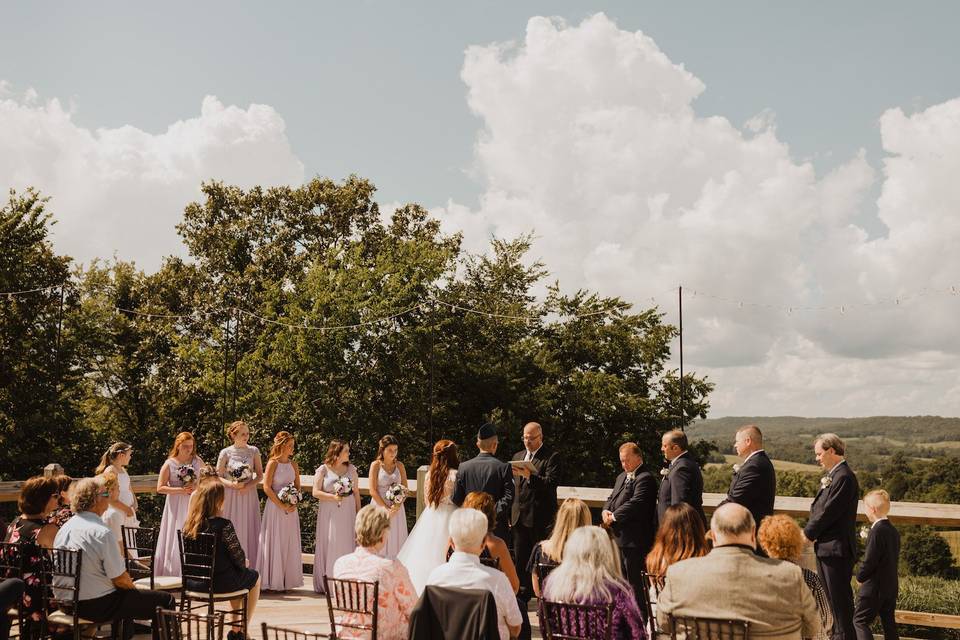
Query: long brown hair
point(681, 535)
point(444, 459)
point(182, 437)
point(572, 514)
point(334, 450)
point(207, 502)
point(110, 455)
point(385, 442)
point(279, 442)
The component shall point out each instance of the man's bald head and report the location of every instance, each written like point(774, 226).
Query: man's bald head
point(749, 439)
point(733, 524)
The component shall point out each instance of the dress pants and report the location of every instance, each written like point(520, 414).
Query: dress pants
point(10, 591)
point(127, 605)
point(836, 574)
point(868, 608)
point(523, 543)
point(634, 563)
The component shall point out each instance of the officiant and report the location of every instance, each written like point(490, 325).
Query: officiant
point(535, 504)
point(488, 474)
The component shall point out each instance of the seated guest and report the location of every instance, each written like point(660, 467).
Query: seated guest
point(782, 539)
point(11, 589)
point(396, 594)
point(573, 514)
point(590, 573)
point(62, 513)
point(879, 583)
point(681, 535)
point(468, 529)
point(493, 545)
point(734, 583)
point(231, 572)
point(107, 592)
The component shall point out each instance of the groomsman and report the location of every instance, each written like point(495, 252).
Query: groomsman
point(535, 504)
point(832, 528)
point(486, 473)
point(682, 479)
point(754, 483)
point(631, 514)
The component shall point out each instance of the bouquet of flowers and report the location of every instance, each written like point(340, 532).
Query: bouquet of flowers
point(187, 475)
point(290, 495)
point(240, 471)
point(395, 493)
point(342, 487)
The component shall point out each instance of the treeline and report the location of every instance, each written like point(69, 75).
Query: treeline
point(110, 352)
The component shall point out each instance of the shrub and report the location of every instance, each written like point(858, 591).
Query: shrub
point(926, 553)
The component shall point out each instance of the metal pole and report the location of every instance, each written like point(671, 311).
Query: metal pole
point(682, 394)
point(59, 332)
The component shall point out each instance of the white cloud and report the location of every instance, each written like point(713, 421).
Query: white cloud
point(123, 190)
point(590, 137)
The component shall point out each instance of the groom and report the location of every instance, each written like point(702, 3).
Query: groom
point(487, 473)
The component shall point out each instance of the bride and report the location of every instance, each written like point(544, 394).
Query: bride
point(426, 546)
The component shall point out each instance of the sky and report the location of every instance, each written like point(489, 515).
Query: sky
point(792, 167)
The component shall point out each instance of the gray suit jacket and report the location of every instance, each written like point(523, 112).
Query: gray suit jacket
point(734, 583)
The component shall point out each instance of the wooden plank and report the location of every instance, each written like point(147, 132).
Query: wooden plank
point(936, 620)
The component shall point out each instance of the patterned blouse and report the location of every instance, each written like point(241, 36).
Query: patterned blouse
point(396, 594)
point(823, 605)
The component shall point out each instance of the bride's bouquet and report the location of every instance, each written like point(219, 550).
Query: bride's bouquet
point(290, 495)
point(342, 488)
point(395, 493)
point(240, 471)
point(187, 475)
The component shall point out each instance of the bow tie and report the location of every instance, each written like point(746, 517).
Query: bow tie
point(630, 476)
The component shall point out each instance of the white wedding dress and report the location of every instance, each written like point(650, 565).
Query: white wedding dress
point(426, 546)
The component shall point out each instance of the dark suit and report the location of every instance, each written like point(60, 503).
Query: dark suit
point(634, 509)
point(754, 486)
point(683, 483)
point(487, 473)
point(832, 526)
point(534, 507)
point(880, 586)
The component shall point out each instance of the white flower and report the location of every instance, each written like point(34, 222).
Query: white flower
point(736, 468)
point(864, 532)
point(665, 472)
point(825, 482)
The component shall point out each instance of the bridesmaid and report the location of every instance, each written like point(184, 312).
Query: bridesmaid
point(115, 460)
point(171, 484)
point(281, 562)
point(335, 514)
point(386, 470)
point(241, 505)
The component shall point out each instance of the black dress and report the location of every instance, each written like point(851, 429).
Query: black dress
point(230, 567)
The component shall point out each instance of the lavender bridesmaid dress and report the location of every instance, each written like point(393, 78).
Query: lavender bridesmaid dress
point(335, 535)
point(280, 563)
point(242, 509)
point(397, 534)
point(174, 515)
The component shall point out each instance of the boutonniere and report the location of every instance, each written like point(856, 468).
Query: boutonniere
point(736, 469)
point(825, 482)
point(864, 532)
point(665, 472)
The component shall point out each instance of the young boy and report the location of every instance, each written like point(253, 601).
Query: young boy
point(878, 571)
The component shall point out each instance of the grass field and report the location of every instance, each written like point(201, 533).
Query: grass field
point(779, 465)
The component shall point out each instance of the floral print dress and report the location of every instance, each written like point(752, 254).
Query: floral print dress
point(25, 531)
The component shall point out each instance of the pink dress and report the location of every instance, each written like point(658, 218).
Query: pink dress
point(396, 594)
point(398, 523)
point(280, 563)
point(174, 515)
point(242, 509)
point(335, 535)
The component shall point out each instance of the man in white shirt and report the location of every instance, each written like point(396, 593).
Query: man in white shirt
point(464, 571)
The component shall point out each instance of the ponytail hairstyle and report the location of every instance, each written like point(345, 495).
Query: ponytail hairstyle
point(385, 442)
point(279, 442)
point(182, 437)
point(444, 459)
point(334, 450)
point(110, 455)
point(207, 503)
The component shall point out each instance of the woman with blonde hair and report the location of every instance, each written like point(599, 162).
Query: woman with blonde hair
point(230, 565)
point(240, 469)
point(590, 574)
point(781, 538)
point(281, 562)
point(573, 514)
point(178, 479)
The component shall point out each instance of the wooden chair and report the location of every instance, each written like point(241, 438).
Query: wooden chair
point(692, 628)
point(564, 621)
point(65, 564)
point(139, 553)
point(493, 563)
point(282, 633)
point(648, 601)
point(356, 600)
point(11, 566)
point(543, 569)
point(197, 562)
point(180, 625)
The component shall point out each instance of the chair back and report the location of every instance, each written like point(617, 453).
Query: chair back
point(355, 601)
point(181, 625)
point(493, 563)
point(652, 583)
point(282, 633)
point(139, 550)
point(63, 574)
point(198, 560)
point(543, 570)
point(707, 628)
point(566, 621)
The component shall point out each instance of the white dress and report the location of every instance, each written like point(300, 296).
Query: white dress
point(426, 546)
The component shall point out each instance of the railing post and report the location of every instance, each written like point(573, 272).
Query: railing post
point(52, 469)
point(421, 494)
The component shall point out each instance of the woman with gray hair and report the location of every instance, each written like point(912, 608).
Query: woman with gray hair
point(590, 574)
point(397, 595)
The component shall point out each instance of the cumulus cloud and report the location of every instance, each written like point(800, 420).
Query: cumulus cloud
point(123, 190)
point(590, 137)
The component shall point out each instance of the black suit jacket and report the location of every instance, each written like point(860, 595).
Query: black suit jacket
point(878, 571)
point(486, 473)
point(445, 612)
point(684, 483)
point(833, 515)
point(754, 487)
point(535, 500)
point(634, 507)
